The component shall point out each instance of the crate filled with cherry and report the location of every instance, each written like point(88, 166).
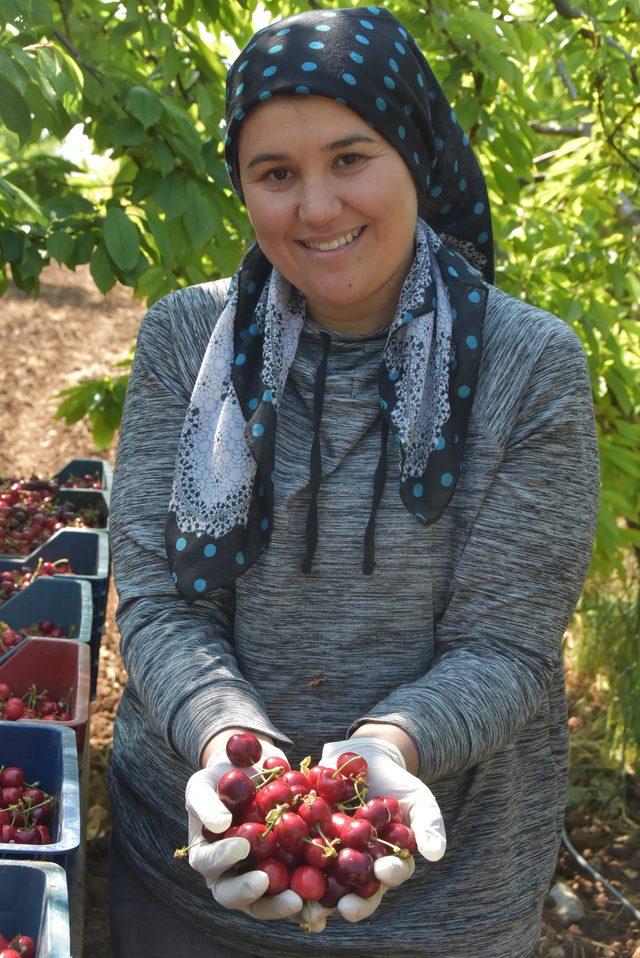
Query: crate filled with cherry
point(47, 680)
point(34, 908)
point(32, 510)
point(39, 792)
point(95, 474)
point(311, 829)
point(50, 607)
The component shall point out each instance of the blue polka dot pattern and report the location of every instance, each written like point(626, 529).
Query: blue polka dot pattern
point(269, 71)
point(349, 78)
point(240, 558)
point(380, 103)
point(366, 24)
point(253, 403)
point(181, 544)
point(210, 550)
point(303, 89)
point(356, 57)
point(441, 444)
point(463, 392)
point(446, 479)
point(418, 489)
point(471, 342)
point(323, 27)
point(265, 95)
point(240, 359)
point(264, 525)
point(258, 429)
point(278, 47)
point(200, 585)
point(361, 39)
point(309, 65)
point(316, 45)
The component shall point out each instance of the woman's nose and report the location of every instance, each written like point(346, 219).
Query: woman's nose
point(318, 203)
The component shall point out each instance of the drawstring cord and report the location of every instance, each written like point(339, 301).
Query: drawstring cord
point(311, 535)
point(316, 462)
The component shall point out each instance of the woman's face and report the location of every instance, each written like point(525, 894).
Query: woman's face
point(313, 171)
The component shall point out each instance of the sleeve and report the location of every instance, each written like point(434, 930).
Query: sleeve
point(517, 581)
point(180, 658)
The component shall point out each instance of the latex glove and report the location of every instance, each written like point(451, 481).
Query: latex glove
point(388, 775)
point(214, 861)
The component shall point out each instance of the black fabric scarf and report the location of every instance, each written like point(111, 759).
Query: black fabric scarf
point(365, 59)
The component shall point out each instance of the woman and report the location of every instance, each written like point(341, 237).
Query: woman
point(316, 584)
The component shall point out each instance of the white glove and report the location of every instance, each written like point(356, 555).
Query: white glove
point(388, 775)
point(214, 860)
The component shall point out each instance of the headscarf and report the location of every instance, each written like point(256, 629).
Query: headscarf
point(221, 511)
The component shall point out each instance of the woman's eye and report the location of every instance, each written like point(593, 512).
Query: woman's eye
point(282, 169)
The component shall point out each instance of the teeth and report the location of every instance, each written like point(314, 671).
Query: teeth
point(341, 241)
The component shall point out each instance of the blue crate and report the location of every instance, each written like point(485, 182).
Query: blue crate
point(88, 553)
point(62, 599)
point(80, 498)
point(34, 902)
point(79, 467)
point(48, 754)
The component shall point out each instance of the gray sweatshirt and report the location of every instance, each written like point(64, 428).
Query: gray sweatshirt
point(456, 637)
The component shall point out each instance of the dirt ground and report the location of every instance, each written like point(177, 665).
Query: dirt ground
point(73, 331)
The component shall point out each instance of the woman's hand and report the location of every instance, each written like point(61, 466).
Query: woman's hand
point(215, 860)
point(387, 775)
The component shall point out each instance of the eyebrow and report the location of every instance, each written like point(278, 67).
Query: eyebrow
point(336, 145)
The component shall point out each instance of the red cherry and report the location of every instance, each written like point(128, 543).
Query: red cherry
point(330, 787)
point(45, 835)
point(34, 795)
point(14, 710)
point(7, 833)
point(351, 765)
point(314, 810)
point(297, 782)
point(290, 831)
point(290, 859)
point(399, 835)
point(243, 749)
point(274, 762)
point(275, 793)
point(375, 812)
point(210, 836)
point(5, 818)
point(235, 789)
point(353, 868)
point(366, 891)
point(317, 853)
point(11, 775)
point(25, 946)
point(312, 774)
point(249, 813)
point(395, 811)
point(334, 891)
point(261, 840)
point(378, 850)
point(10, 796)
point(10, 953)
point(27, 836)
point(278, 875)
point(333, 828)
point(308, 882)
point(41, 815)
point(5, 691)
point(358, 833)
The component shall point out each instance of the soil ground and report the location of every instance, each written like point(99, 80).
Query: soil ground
point(72, 331)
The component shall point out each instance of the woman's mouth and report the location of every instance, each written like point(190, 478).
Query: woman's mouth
point(337, 246)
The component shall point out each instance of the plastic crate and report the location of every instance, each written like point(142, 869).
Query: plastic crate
point(47, 753)
point(61, 599)
point(34, 901)
point(88, 552)
point(78, 499)
point(80, 467)
point(56, 665)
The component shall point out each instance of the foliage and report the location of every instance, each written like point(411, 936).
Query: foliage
point(548, 93)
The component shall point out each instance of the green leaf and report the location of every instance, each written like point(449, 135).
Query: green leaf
point(14, 111)
point(145, 105)
point(121, 238)
point(172, 195)
point(198, 219)
point(163, 155)
point(128, 132)
point(60, 245)
point(101, 271)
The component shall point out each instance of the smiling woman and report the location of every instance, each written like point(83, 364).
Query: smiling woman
point(272, 579)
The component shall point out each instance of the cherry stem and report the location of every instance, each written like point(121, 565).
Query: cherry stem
point(183, 852)
point(344, 764)
point(324, 837)
point(267, 775)
point(402, 852)
point(307, 926)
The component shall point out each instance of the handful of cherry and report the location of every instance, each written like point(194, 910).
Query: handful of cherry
point(25, 810)
point(312, 829)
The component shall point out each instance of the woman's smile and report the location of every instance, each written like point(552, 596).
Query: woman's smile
point(347, 242)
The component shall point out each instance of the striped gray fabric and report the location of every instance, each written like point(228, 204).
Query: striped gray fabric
point(456, 637)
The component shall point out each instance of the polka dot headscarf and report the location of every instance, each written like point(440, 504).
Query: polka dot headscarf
point(364, 58)
point(220, 516)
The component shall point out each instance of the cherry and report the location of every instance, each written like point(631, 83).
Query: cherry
point(10, 796)
point(297, 782)
point(249, 813)
point(395, 811)
point(378, 850)
point(27, 836)
point(290, 859)
point(278, 875)
point(333, 828)
point(314, 810)
point(375, 812)
point(7, 833)
point(34, 795)
point(358, 833)
point(5, 818)
point(235, 789)
point(353, 867)
point(275, 793)
point(333, 789)
point(312, 774)
point(10, 953)
point(399, 835)
point(14, 709)
point(243, 749)
point(25, 946)
point(308, 882)
point(260, 837)
point(45, 835)
point(317, 853)
point(334, 891)
point(5, 691)
point(290, 831)
point(366, 891)
point(351, 765)
point(11, 775)
point(274, 762)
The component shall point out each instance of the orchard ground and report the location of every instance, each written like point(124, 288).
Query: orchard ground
point(71, 332)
